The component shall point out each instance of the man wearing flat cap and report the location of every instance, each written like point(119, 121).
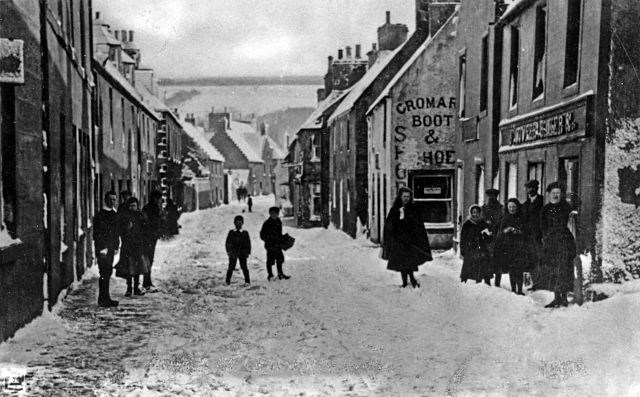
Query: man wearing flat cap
point(531, 209)
point(492, 214)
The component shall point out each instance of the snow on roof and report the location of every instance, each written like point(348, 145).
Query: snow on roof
point(112, 71)
point(102, 35)
point(243, 136)
point(278, 152)
point(452, 19)
point(126, 58)
point(314, 121)
point(198, 137)
point(384, 58)
point(514, 7)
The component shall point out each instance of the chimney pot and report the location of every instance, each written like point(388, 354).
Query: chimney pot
point(389, 16)
point(340, 54)
point(116, 34)
point(124, 36)
point(131, 36)
point(97, 15)
point(374, 46)
point(348, 48)
point(358, 49)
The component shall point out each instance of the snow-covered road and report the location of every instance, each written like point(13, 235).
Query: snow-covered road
point(340, 326)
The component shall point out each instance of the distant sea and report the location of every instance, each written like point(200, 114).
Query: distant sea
point(246, 99)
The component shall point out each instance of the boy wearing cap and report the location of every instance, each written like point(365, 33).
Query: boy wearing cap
point(238, 247)
point(271, 234)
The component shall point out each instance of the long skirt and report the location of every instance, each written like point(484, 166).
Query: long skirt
point(556, 269)
point(129, 266)
point(476, 266)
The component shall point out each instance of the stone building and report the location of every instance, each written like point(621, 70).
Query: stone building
point(412, 138)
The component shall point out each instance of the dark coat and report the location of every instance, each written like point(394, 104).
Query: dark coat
point(474, 246)
point(509, 253)
point(132, 228)
point(405, 240)
point(531, 215)
point(172, 219)
point(559, 248)
point(238, 244)
point(492, 214)
point(271, 233)
point(153, 229)
point(106, 233)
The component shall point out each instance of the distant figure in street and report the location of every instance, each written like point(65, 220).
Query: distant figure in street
point(152, 233)
point(239, 193)
point(509, 251)
point(492, 214)
point(124, 196)
point(271, 234)
point(133, 262)
point(172, 218)
point(475, 238)
point(249, 202)
point(558, 245)
point(531, 210)
point(405, 238)
point(238, 246)
point(106, 239)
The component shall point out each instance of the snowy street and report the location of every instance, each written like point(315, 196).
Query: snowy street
point(340, 326)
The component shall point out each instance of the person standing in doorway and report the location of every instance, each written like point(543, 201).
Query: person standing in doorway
point(558, 245)
point(531, 209)
point(124, 196)
point(153, 232)
point(238, 246)
point(492, 215)
point(106, 239)
point(475, 238)
point(271, 234)
point(405, 238)
point(249, 202)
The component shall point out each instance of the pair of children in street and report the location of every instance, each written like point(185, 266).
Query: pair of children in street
point(238, 246)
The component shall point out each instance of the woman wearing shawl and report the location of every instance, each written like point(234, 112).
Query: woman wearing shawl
point(509, 250)
point(474, 245)
point(405, 239)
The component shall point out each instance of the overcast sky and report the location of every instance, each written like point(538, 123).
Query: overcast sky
point(188, 38)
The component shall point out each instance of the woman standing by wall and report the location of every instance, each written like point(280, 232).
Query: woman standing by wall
point(405, 240)
point(558, 245)
point(509, 252)
point(132, 263)
point(475, 239)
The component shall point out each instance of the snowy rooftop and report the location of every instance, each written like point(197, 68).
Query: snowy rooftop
point(314, 121)
point(126, 58)
point(514, 7)
point(102, 35)
point(110, 69)
point(278, 152)
point(198, 137)
point(452, 19)
point(384, 58)
point(242, 136)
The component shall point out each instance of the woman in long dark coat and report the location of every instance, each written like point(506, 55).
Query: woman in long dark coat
point(475, 239)
point(558, 245)
point(509, 251)
point(405, 238)
point(132, 263)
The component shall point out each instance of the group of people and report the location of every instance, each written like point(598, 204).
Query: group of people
point(238, 246)
point(133, 232)
point(521, 237)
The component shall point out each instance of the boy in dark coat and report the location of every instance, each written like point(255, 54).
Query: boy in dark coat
point(238, 247)
point(106, 239)
point(152, 233)
point(271, 234)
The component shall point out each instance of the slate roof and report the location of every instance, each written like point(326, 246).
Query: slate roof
point(314, 121)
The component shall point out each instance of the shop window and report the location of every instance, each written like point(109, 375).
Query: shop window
point(569, 175)
point(572, 44)
point(512, 180)
point(433, 192)
point(535, 171)
point(480, 184)
point(462, 84)
point(8, 145)
point(514, 66)
point(539, 56)
point(484, 74)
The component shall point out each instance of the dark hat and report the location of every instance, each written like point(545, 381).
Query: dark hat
point(274, 209)
point(532, 183)
point(492, 192)
point(238, 218)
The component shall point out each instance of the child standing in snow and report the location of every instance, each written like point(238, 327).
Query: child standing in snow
point(238, 247)
point(271, 234)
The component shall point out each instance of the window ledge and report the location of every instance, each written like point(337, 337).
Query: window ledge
point(482, 114)
point(570, 90)
point(11, 253)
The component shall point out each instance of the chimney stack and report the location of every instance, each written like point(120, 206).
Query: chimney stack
point(97, 15)
point(124, 36)
point(131, 36)
point(391, 36)
point(321, 95)
point(373, 54)
point(422, 15)
point(340, 54)
point(358, 51)
point(330, 61)
point(389, 16)
point(348, 48)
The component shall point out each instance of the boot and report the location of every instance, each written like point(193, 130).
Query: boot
point(283, 276)
point(563, 299)
point(128, 293)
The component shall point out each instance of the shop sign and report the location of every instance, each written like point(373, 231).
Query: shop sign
point(11, 61)
point(546, 126)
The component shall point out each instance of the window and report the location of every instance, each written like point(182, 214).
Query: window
point(539, 55)
point(8, 144)
point(514, 66)
point(433, 196)
point(71, 24)
point(314, 201)
point(122, 111)
point(572, 46)
point(479, 184)
point(333, 197)
point(535, 171)
point(348, 133)
point(384, 125)
point(314, 148)
point(111, 114)
point(384, 195)
point(484, 74)
point(569, 173)
point(512, 180)
point(462, 83)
